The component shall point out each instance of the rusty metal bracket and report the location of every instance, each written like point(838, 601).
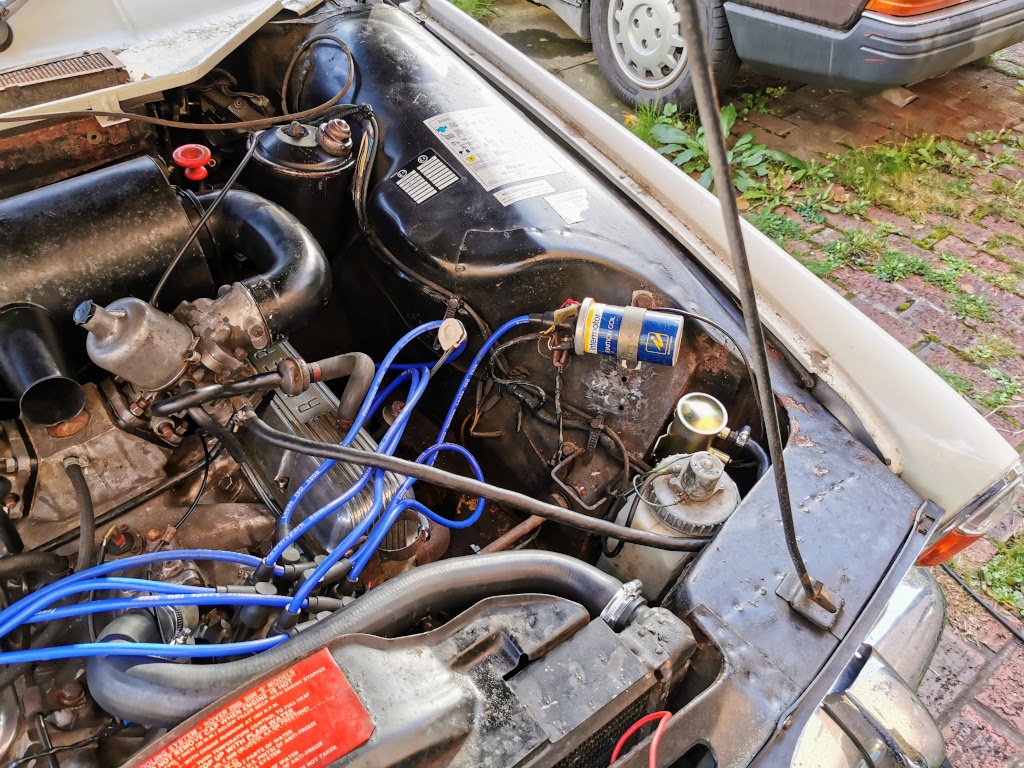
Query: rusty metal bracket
point(822, 610)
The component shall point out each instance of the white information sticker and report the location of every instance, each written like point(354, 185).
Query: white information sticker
point(570, 205)
point(495, 145)
point(510, 195)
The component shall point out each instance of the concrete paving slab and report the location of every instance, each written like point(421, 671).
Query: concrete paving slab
point(540, 34)
point(537, 32)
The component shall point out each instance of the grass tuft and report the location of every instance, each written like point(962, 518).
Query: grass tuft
point(967, 306)
point(962, 385)
point(1002, 577)
point(478, 9)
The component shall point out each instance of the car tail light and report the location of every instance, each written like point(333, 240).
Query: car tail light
point(909, 7)
point(976, 519)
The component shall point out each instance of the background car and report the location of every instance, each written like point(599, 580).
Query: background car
point(863, 46)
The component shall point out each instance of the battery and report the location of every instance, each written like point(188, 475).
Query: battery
point(628, 333)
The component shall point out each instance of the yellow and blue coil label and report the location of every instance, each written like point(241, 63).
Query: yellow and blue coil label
point(659, 334)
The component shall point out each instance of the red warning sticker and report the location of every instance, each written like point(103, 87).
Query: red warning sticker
point(305, 717)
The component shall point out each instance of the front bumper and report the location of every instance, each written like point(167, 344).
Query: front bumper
point(872, 715)
point(879, 51)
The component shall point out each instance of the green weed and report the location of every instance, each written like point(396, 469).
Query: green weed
point(1007, 388)
point(972, 307)
point(897, 265)
point(959, 383)
point(991, 349)
point(478, 9)
point(778, 227)
point(759, 101)
point(675, 137)
point(1002, 577)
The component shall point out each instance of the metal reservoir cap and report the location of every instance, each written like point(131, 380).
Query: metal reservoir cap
point(697, 419)
point(628, 333)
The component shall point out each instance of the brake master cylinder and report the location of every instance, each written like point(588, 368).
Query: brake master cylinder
point(685, 495)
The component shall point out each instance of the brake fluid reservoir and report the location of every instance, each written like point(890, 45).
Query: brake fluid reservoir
point(684, 495)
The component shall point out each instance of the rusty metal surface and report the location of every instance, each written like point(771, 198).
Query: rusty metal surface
point(38, 155)
point(58, 78)
point(120, 465)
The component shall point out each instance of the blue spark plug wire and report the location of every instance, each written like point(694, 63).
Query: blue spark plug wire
point(365, 553)
point(15, 614)
point(159, 601)
point(85, 650)
point(387, 445)
point(357, 424)
point(399, 505)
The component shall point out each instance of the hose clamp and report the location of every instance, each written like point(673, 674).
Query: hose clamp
point(623, 605)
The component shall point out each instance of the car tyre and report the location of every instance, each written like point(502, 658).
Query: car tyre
point(639, 47)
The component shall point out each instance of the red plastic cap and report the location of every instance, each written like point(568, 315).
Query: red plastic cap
point(193, 158)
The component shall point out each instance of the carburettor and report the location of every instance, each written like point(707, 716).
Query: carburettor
point(204, 341)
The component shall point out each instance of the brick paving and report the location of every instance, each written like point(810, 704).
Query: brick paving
point(975, 686)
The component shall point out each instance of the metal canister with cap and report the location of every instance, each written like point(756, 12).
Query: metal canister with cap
point(697, 419)
point(307, 169)
point(631, 334)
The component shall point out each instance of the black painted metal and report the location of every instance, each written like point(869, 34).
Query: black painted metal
point(294, 279)
point(300, 176)
point(33, 365)
point(103, 235)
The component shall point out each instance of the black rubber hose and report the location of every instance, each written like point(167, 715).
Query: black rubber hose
point(164, 694)
point(224, 436)
point(295, 279)
point(9, 535)
point(86, 556)
point(470, 487)
point(360, 371)
point(32, 562)
point(135, 502)
point(86, 517)
point(757, 453)
point(357, 366)
point(261, 382)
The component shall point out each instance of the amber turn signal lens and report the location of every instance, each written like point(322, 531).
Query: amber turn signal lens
point(909, 7)
point(953, 543)
point(979, 517)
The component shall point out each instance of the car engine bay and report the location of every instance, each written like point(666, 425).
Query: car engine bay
point(353, 385)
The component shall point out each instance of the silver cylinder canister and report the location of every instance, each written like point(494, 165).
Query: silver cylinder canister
point(697, 419)
point(134, 340)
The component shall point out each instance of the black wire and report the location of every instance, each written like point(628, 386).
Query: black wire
point(984, 603)
point(459, 483)
point(743, 355)
point(94, 739)
point(614, 551)
point(202, 485)
point(295, 60)
point(245, 125)
point(202, 222)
